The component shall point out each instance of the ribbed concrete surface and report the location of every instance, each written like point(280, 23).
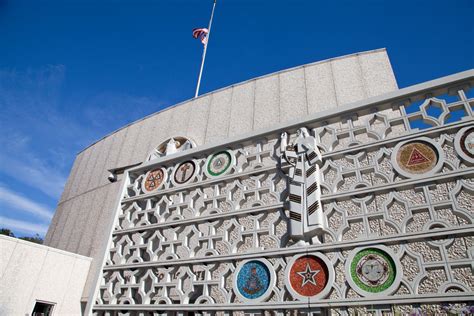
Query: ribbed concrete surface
point(86, 207)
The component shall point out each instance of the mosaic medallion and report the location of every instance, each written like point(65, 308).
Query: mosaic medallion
point(309, 276)
point(464, 143)
point(153, 180)
point(219, 163)
point(184, 172)
point(372, 270)
point(419, 157)
point(254, 280)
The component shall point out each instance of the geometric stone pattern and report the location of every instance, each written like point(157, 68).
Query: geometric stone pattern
point(179, 246)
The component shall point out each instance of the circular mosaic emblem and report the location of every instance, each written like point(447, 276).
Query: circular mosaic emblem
point(308, 276)
point(417, 157)
point(254, 280)
point(464, 143)
point(153, 180)
point(372, 271)
point(467, 142)
point(219, 163)
point(184, 172)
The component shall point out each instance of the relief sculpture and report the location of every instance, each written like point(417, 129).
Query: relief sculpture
point(307, 220)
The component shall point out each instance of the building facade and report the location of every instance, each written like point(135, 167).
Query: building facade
point(319, 189)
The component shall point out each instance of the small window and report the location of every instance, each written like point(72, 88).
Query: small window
point(43, 309)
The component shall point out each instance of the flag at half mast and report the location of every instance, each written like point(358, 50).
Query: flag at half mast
point(201, 33)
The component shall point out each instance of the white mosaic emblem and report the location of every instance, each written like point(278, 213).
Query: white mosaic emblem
point(464, 143)
point(185, 172)
point(219, 164)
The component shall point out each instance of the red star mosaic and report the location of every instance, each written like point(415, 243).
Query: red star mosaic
point(308, 275)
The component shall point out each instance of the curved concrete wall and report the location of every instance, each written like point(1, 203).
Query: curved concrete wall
point(88, 202)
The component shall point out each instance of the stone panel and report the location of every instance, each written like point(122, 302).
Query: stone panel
point(81, 221)
point(72, 188)
point(53, 289)
point(158, 131)
point(56, 230)
point(242, 109)
point(70, 303)
point(20, 278)
point(72, 177)
point(72, 213)
point(81, 173)
point(196, 130)
point(6, 249)
point(87, 171)
point(36, 272)
point(320, 87)
point(101, 234)
point(141, 148)
point(128, 145)
point(97, 178)
point(348, 80)
point(267, 103)
point(113, 154)
point(88, 231)
point(105, 219)
point(218, 121)
point(293, 103)
point(377, 73)
point(180, 119)
point(58, 216)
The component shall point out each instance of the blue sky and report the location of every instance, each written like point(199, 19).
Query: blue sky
point(72, 71)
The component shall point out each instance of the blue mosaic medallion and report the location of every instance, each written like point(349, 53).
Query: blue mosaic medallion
point(253, 279)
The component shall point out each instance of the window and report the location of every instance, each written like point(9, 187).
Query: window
point(43, 309)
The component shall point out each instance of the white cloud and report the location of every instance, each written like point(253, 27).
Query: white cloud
point(35, 174)
point(22, 226)
point(27, 99)
point(24, 204)
point(43, 129)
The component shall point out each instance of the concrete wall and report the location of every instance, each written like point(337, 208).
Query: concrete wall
point(31, 272)
point(85, 211)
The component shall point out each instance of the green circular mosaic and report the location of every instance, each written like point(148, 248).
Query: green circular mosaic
point(219, 163)
point(373, 270)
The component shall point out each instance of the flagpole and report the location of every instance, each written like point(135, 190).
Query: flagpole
point(205, 50)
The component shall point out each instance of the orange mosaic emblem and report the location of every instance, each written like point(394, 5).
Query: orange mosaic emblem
point(153, 180)
point(417, 157)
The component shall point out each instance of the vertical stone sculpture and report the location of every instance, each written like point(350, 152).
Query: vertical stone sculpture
point(307, 220)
